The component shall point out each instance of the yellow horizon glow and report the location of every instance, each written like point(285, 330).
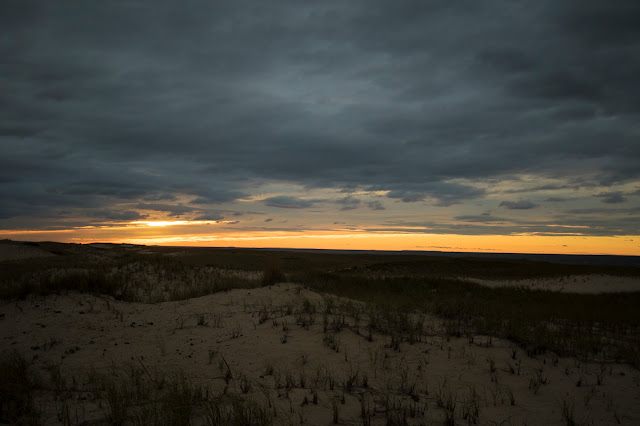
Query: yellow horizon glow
point(344, 240)
point(534, 244)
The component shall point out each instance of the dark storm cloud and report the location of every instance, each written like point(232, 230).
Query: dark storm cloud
point(349, 203)
point(406, 196)
point(518, 205)
point(214, 197)
point(159, 197)
point(126, 216)
point(600, 221)
point(603, 210)
point(566, 225)
point(214, 217)
point(286, 202)
point(444, 193)
point(548, 187)
point(110, 102)
point(170, 209)
point(480, 218)
point(375, 205)
point(612, 197)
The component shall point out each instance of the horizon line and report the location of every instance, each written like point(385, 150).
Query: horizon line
point(388, 251)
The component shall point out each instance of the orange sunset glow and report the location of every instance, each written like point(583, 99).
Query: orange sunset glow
point(180, 233)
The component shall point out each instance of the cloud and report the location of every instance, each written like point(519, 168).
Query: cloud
point(444, 193)
point(286, 202)
point(127, 215)
point(480, 218)
point(214, 217)
point(604, 211)
point(612, 197)
point(172, 210)
point(407, 196)
point(348, 203)
point(159, 197)
point(215, 197)
point(518, 205)
point(375, 205)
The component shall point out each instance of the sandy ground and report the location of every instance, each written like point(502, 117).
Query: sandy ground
point(586, 284)
point(81, 333)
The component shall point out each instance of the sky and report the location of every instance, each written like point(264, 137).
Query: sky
point(497, 125)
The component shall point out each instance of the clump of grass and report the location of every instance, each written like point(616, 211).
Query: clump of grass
point(331, 380)
point(272, 274)
point(471, 407)
point(512, 398)
point(568, 411)
point(335, 411)
point(440, 393)
point(332, 340)
point(449, 410)
point(134, 395)
point(180, 401)
point(202, 321)
point(600, 375)
point(245, 384)
point(234, 410)
point(17, 390)
point(538, 380)
point(118, 398)
point(365, 409)
point(350, 381)
point(263, 315)
point(268, 369)
point(212, 355)
point(236, 331)
point(492, 364)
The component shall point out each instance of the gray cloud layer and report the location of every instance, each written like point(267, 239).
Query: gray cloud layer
point(146, 102)
point(286, 202)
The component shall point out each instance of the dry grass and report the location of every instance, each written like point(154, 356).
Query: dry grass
point(604, 327)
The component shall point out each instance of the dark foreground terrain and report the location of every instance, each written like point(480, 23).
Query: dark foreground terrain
point(127, 334)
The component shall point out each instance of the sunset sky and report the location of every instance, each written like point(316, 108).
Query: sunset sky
point(498, 126)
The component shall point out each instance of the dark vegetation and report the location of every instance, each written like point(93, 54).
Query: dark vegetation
point(131, 396)
point(603, 327)
point(17, 385)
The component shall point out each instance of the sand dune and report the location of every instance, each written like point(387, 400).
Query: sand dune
point(235, 337)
